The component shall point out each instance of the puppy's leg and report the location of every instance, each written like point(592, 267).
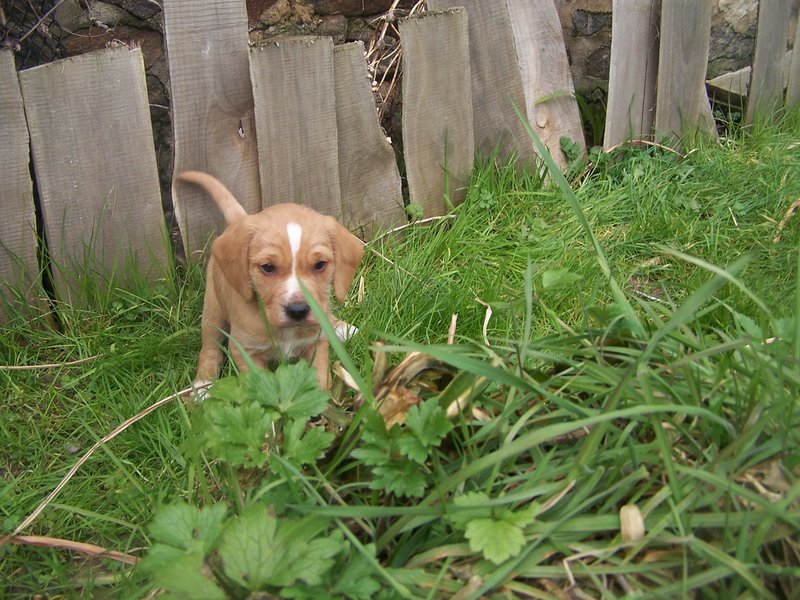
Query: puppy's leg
point(317, 355)
point(212, 336)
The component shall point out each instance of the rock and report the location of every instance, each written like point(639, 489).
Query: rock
point(334, 26)
point(354, 8)
point(96, 38)
point(586, 23)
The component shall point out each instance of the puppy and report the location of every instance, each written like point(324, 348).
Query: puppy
point(253, 284)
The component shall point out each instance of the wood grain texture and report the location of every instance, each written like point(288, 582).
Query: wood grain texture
point(682, 63)
point(18, 263)
point(212, 110)
point(437, 108)
point(96, 169)
point(497, 85)
point(296, 122)
point(633, 73)
point(371, 189)
point(546, 77)
point(793, 75)
point(765, 92)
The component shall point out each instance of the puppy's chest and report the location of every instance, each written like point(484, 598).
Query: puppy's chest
point(286, 343)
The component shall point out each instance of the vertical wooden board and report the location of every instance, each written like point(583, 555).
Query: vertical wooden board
point(546, 77)
point(496, 79)
point(682, 63)
point(438, 134)
point(296, 122)
point(766, 83)
point(18, 263)
point(96, 169)
point(634, 68)
point(212, 110)
point(793, 83)
point(371, 190)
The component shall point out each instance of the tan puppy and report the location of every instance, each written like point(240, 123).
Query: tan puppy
point(253, 283)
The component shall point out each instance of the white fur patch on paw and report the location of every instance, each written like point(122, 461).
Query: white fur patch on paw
point(344, 331)
point(201, 388)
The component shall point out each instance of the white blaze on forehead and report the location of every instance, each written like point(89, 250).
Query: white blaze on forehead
point(295, 234)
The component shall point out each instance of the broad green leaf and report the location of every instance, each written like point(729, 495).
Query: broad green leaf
point(401, 478)
point(303, 447)
point(188, 577)
point(187, 527)
point(497, 540)
point(560, 277)
point(428, 422)
point(412, 448)
point(258, 550)
point(236, 433)
point(355, 579)
point(469, 506)
point(293, 390)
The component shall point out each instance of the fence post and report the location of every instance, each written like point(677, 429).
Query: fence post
point(18, 263)
point(766, 79)
point(438, 137)
point(293, 90)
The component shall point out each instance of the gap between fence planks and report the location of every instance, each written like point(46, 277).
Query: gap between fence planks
point(546, 77)
point(793, 79)
point(212, 111)
point(296, 122)
point(438, 137)
point(371, 190)
point(683, 59)
point(92, 144)
point(765, 94)
point(497, 86)
point(18, 262)
point(634, 68)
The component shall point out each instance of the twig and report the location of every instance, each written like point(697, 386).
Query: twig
point(40, 21)
point(789, 214)
point(82, 548)
point(645, 143)
point(412, 224)
point(120, 428)
point(48, 366)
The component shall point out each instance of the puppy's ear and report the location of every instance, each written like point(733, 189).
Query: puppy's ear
point(348, 251)
point(231, 255)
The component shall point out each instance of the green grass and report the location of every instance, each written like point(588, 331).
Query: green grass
point(692, 417)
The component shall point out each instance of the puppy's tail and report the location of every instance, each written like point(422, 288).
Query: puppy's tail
point(230, 207)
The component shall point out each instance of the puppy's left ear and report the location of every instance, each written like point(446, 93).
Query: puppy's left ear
point(348, 251)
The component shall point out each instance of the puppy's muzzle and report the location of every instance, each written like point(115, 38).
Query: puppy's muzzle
point(297, 311)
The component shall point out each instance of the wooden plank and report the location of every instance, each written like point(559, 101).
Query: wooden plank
point(546, 77)
point(96, 169)
point(438, 137)
point(497, 85)
point(296, 122)
point(793, 74)
point(682, 63)
point(371, 189)
point(634, 70)
point(766, 87)
point(18, 262)
point(212, 110)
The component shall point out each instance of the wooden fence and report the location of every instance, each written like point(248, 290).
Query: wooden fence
point(294, 120)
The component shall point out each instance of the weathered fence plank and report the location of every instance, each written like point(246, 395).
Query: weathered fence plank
point(634, 70)
point(497, 86)
point(793, 83)
point(96, 169)
point(683, 58)
point(766, 83)
point(296, 122)
point(437, 108)
point(18, 263)
point(546, 77)
point(212, 110)
point(371, 189)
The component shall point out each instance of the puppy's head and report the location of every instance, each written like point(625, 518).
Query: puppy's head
point(270, 254)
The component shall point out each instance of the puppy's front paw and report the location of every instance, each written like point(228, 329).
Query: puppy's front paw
point(199, 391)
point(344, 331)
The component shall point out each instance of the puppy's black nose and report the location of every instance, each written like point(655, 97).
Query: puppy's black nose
point(297, 311)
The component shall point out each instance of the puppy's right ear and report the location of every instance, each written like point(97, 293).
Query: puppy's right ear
point(231, 253)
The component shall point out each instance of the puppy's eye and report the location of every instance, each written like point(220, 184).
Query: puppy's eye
point(268, 268)
point(320, 265)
